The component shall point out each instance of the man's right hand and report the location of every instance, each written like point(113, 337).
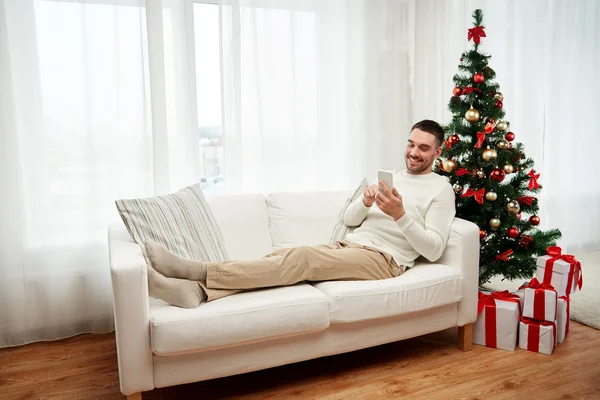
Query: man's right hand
point(369, 195)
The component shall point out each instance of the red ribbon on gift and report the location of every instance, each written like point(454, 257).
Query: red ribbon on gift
point(504, 256)
point(476, 34)
point(489, 128)
point(463, 171)
point(533, 333)
point(478, 194)
point(555, 253)
point(568, 300)
point(533, 177)
point(488, 302)
point(539, 298)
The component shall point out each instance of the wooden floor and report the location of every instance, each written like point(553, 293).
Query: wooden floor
point(430, 367)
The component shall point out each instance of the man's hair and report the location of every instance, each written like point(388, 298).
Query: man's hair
point(432, 127)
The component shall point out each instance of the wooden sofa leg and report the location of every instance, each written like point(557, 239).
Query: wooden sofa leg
point(465, 337)
point(135, 396)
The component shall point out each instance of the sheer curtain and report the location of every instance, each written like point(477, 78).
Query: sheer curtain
point(545, 54)
point(316, 93)
point(97, 103)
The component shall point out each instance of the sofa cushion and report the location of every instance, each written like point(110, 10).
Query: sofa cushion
point(421, 287)
point(244, 224)
point(238, 319)
point(303, 219)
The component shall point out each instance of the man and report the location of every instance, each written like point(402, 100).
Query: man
point(388, 238)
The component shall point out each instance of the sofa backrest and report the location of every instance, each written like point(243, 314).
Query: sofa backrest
point(253, 226)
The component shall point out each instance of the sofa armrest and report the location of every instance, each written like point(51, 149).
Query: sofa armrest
point(462, 251)
point(131, 311)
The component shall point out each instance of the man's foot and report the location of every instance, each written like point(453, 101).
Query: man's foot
point(173, 266)
point(177, 292)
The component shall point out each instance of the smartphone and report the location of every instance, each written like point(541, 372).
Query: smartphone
point(386, 177)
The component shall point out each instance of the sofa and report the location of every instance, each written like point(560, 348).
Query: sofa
point(159, 345)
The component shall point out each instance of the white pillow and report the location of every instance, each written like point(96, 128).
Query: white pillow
point(341, 230)
point(180, 221)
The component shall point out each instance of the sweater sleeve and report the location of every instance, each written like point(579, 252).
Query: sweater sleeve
point(356, 213)
point(430, 240)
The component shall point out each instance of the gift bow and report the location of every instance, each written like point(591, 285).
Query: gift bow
point(539, 298)
point(555, 253)
point(476, 34)
point(504, 256)
point(478, 194)
point(488, 302)
point(489, 127)
point(533, 333)
point(533, 177)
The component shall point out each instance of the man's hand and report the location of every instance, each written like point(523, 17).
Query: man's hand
point(369, 195)
point(390, 202)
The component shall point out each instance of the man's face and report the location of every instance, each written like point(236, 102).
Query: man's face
point(421, 151)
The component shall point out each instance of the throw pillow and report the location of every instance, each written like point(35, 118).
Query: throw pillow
point(180, 221)
point(341, 230)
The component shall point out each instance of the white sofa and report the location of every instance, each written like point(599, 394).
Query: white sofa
point(160, 345)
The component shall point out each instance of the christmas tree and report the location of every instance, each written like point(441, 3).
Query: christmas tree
point(495, 183)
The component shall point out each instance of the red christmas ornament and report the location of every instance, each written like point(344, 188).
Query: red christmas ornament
point(513, 233)
point(478, 78)
point(482, 234)
point(510, 136)
point(461, 59)
point(534, 220)
point(454, 139)
point(526, 241)
point(497, 174)
point(499, 104)
point(457, 91)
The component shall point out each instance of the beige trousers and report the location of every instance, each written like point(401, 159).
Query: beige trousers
point(337, 261)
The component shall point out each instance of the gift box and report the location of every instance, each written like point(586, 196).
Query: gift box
point(563, 317)
point(537, 336)
point(497, 322)
point(540, 301)
point(562, 271)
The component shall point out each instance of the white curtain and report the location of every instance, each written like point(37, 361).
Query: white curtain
point(90, 111)
point(546, 56)
point(316, 93)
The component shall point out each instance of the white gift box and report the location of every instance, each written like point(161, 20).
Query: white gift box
point(506, 329)
point(537, 336)
point(562, 319)
point(561, 274)
point(540, 304)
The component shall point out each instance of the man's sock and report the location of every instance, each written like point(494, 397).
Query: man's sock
point(173, 266)
point(177, 292)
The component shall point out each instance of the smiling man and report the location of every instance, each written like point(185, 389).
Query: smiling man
point(411, 219)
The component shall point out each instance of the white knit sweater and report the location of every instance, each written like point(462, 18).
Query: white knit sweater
point(423, 230)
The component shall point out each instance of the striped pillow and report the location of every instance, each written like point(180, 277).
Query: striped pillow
point(180, 221)
point(341, 230)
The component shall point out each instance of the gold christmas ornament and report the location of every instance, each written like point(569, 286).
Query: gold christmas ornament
point(450, 165)
point(488, 154)
point(513, 206)
point(494, 222)
point(498, 96)
point(502, 126)
point(502, 144)
point(491, 196)
point(457, 188)
point(472, 115)
point(509, 169)
point(480, 174)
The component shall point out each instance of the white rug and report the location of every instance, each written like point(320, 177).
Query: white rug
point(585, 305)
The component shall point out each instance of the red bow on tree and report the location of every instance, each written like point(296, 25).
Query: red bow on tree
point(471, 89)
point(463, 171)
point(477, 193)
point(533, 183)
point(476, 34)
point(526, 199)
point(504, 256)
point(489, 127)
